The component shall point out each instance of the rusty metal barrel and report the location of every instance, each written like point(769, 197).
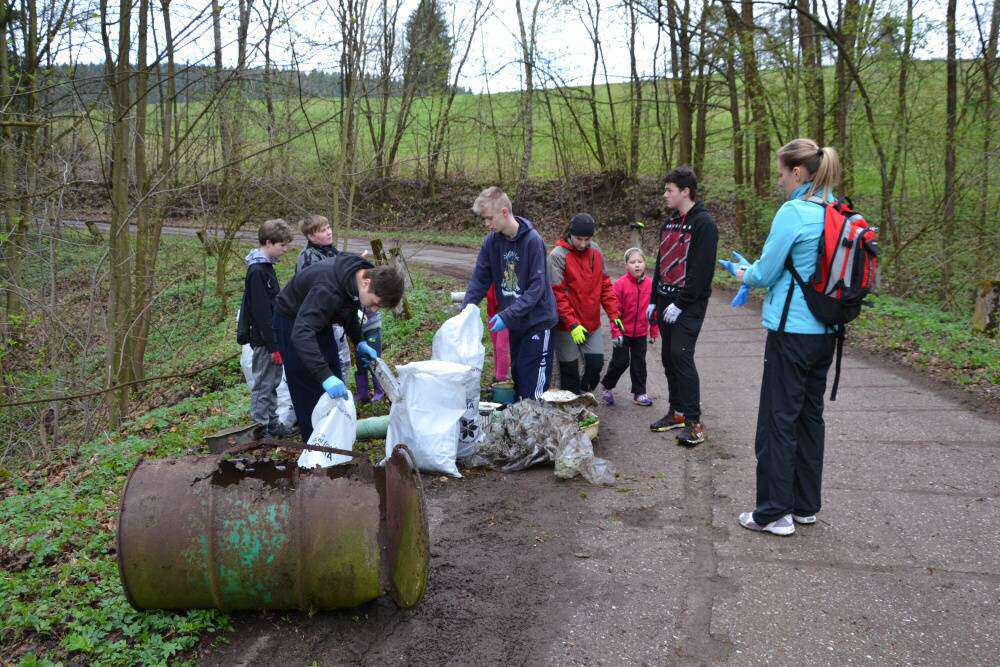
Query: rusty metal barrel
point(211, 532)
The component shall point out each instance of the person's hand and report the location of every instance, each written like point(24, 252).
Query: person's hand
point(618, 323)
point(579, 334)
point(741, 296)
point(736, 265)
point(367, 350)
point(497, 324)
point(276, 358)
point(651, 314)
point(671, 314)
point(618, 341)
point(334, 387)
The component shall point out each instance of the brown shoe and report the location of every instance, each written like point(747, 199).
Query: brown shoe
point(692, 434)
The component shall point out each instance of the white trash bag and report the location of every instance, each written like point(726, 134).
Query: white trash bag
point(460, 339)
point(286, 412)
point(426, 416)
point(334, 423)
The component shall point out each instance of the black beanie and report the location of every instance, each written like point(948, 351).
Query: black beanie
point(582, 224)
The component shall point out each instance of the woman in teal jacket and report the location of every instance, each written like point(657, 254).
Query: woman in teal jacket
point(798, 352)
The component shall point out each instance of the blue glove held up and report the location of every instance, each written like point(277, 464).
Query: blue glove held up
point(497, 324)
point(366, 350)
point(737, 262)
point(741, 296)
point(334, 387)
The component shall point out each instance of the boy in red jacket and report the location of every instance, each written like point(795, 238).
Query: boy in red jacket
point(632, 290)
point(581, 286)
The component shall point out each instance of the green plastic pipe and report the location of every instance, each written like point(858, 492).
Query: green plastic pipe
point(373, 428)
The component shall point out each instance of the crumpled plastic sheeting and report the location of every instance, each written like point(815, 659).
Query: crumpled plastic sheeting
point(528, 433)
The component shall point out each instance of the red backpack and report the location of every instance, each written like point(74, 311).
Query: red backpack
point(846, 272)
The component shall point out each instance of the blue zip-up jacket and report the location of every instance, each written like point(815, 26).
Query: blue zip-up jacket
point(796, 229)
point(517, 267)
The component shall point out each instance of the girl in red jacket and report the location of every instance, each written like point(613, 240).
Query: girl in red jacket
point(633, 290)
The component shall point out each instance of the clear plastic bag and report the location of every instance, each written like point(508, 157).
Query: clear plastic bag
point(334, 425)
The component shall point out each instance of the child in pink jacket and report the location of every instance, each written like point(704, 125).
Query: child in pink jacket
point(633, 290)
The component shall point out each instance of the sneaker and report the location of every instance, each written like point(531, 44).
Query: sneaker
point(807, 519)
point(669, 421)
point(606, 395)
point(692, 434)
point(277, 430)
point(782, 526)
point(642, 399)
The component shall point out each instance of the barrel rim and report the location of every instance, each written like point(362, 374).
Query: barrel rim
point(118, 536)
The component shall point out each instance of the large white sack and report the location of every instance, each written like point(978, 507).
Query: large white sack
point(335, 424)
point(460, 339)
point(426, 418)
point(286, 412)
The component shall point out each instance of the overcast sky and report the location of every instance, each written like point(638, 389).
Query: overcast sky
point(564, 44)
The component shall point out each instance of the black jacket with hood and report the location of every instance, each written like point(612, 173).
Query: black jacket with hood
point(319, 296)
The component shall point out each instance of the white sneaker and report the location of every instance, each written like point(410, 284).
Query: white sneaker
point(798, 518)
point(782, 526)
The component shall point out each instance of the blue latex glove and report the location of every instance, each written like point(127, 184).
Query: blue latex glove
point(741, 296)
point(334, 387)
point(738, 262)
point(651, 314)
point(497, 324)
point(365, 349)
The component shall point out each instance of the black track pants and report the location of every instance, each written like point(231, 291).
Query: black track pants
point(631, 354)
point(677, 355)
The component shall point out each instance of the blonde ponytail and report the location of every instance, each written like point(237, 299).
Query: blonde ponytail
point(822, 164)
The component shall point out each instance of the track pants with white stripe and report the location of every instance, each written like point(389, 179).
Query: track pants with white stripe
point(531, 361)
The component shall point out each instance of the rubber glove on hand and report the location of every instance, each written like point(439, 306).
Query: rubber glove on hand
point(497, 324)
point(671, 314)
point(741, 296)
point(617, 341)
point(738, 262)
point(651, 314)
point(276, 358)
point(367, 350)
point(334, 387)
point(579, 334)
point(618, 323)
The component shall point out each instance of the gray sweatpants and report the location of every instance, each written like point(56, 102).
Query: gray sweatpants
point(264, 395)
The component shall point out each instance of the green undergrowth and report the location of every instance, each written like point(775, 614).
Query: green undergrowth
point(62, 598)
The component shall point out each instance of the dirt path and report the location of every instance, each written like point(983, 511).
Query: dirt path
point(526, 569)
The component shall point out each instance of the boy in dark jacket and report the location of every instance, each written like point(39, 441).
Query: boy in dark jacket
point(512, 259)
point(581, 286)
point(682, 283)
point(260, 287)
point(326, 293)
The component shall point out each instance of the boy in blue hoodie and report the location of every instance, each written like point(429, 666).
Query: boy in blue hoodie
point(260, 288)
point(513, 260)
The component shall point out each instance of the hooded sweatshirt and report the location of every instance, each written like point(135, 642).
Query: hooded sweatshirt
point(260, 287)
point(581, 285)
point(320, 295)
point(517, 267)
point(633, 298)
point(313, 253)
point(685, 260)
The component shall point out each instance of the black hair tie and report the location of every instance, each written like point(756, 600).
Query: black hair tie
point(819, 153)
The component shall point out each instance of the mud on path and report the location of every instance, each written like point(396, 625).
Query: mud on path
point(527, 569)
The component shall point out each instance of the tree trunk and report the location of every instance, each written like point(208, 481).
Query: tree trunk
point(738, 139)
point(809, 41)
point(635, 96)
point(989, 81)
point(680, 66)
point(7, 189)
point(527, 97)
point(951, 121)
point(847, 29)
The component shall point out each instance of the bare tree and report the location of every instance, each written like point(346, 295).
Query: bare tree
point(528, 109)
point(951, 122)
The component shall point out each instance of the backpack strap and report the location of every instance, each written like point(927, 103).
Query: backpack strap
point(796, 278)
point(840, 355)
